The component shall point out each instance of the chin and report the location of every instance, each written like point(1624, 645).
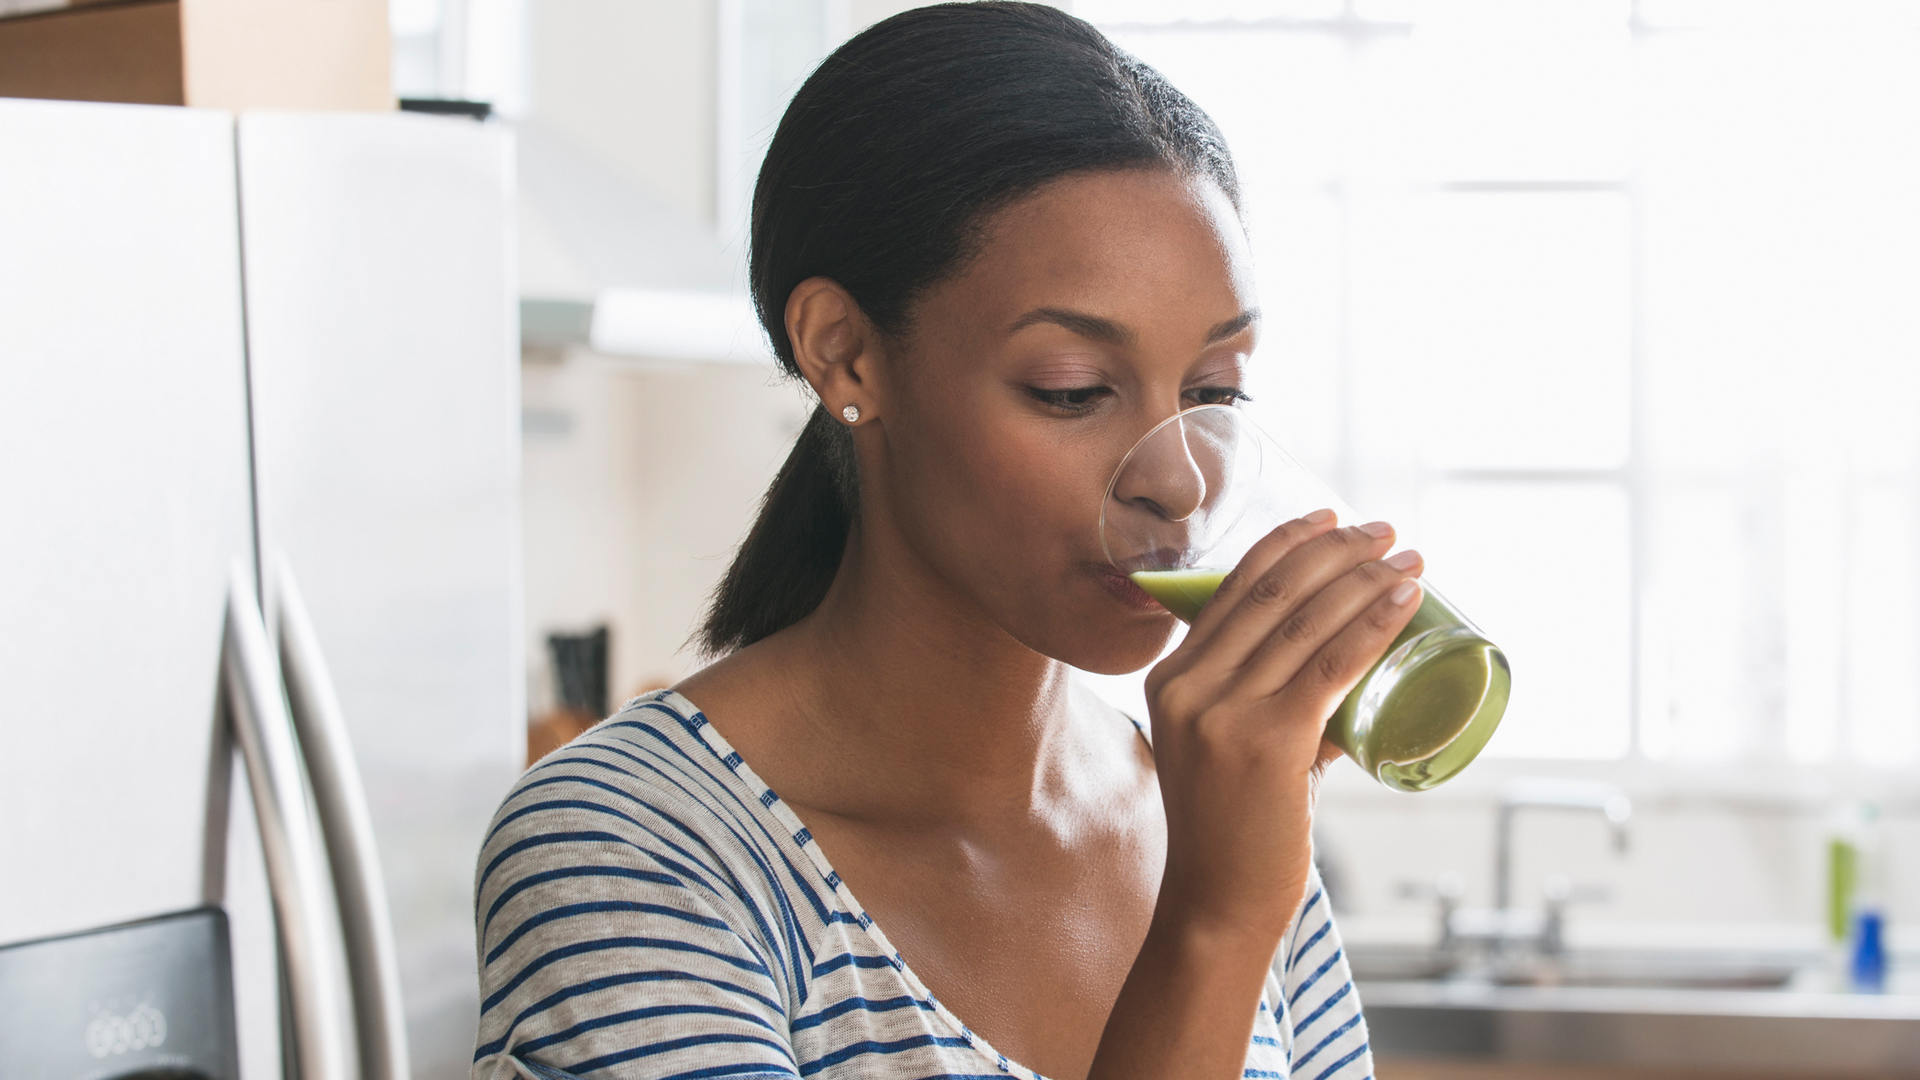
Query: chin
point(1114, 646)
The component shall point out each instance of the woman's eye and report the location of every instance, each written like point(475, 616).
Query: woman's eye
point(1077, 398)
point(1218, 395)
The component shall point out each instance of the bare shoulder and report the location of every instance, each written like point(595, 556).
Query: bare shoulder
point(735, 689)
point(756, 698)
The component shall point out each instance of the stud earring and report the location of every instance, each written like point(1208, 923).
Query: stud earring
point(851, 413)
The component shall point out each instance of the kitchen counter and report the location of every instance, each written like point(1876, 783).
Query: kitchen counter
point(1765, 1015)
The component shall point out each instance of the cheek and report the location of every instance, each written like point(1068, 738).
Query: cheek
point(1006, 507)
point(1001, 484)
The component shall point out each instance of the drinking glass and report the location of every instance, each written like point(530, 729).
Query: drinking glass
point(1200, 489)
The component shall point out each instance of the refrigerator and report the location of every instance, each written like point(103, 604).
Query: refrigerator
point(259, 455)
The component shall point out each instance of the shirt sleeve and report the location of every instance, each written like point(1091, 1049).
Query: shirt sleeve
point(1328, 1034)
point(612, 946)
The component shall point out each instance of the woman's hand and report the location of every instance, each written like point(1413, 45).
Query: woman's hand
point(1239, 709)
point(1238, 715)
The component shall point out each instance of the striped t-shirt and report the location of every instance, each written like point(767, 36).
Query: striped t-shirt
point(646, 907)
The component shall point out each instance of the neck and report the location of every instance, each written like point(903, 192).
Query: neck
point(947, 700)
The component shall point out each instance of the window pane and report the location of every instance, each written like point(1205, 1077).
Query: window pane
point(1171, 11)
point(1542, 568)
point(1710, 625)
point(1522, 90)
point(1296, 379)
point(1813, 512)
point(1275, 94)
point(1883, 630)
point(1494, 331)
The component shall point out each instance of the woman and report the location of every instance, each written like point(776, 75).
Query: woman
point(998, 250)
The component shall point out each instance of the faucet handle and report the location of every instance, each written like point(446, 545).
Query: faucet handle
point(1447, 888)
point(1560, 891)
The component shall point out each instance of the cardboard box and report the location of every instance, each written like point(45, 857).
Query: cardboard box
point(223, 54)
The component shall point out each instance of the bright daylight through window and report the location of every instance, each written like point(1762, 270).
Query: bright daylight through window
point(1609, 305)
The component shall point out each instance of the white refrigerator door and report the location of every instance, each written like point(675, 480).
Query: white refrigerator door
point(125, 497)
point(383, 350)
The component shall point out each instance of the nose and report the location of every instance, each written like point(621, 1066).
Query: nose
point(1163, 476)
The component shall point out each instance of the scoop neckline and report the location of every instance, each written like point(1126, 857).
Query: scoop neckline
point(717, 744)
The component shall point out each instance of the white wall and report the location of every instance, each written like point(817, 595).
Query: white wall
point(639, 479)
point(632, 81)
point(639, 482)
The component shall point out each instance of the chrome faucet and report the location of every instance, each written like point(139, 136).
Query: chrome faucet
point(1502, 928)
point(1549, 794)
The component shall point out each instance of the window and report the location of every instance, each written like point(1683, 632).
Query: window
point(1609, 305)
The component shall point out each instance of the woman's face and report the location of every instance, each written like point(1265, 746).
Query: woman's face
point(1093, 310)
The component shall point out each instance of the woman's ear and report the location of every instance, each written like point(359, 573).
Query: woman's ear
point(836, 349)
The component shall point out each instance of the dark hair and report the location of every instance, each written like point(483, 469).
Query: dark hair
point(881, 176)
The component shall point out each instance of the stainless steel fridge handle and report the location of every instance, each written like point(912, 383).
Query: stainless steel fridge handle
point(290, 837)
point(372, 965)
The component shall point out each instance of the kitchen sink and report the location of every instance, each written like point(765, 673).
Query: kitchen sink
point(1748, 1013)
point(1655, 971)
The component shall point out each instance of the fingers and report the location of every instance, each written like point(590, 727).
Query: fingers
point(1331, 672)
point(1305, 631)
point(1268, 599)
point(1258, 560)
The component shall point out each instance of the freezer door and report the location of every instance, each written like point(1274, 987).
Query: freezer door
point(124, 492)
point(382, 333)
point(123, 433)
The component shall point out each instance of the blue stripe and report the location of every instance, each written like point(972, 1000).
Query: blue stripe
point(1342, 1063)
point(540, 840)
point(559, 804)
point(851, 959)
point(1300, 922)
point(1311, 942)
point(545, 876)
point(629, 1015)
point(581, 947)
point(682, 1043)
point(1322, 1044)
point(591, 907)
point(841, 1008)
point(694, 826)
point(796, 945)
point(731, 1070)
point(608, 982)
point(1324, 967)
point(854, 1050)
point(1316, 1014)
point(711, 872)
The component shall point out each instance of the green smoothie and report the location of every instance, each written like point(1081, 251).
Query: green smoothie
point(1425, 710)
point(1183, 592)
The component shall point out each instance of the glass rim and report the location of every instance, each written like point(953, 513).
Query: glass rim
point(1106, 498)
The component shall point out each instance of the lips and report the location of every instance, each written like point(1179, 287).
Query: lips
point(1126, 591)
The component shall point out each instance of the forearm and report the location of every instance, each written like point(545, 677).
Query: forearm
point(1187, 1008)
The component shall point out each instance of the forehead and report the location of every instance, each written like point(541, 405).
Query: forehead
point(1097, 239)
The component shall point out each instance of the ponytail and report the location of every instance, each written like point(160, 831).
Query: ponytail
point(879, 176)
point(793, 551)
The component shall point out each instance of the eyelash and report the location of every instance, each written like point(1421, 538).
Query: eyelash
point(1080, 398)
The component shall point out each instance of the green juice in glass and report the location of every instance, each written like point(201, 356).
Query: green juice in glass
point(1425, 710)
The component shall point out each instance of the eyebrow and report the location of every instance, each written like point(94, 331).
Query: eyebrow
point(1232, 326)
point(1099, 329)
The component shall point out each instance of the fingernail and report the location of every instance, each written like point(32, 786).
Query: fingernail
point(1318, 517)
point(1405, 560)
point(1403, 593)
point(1379, 530)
